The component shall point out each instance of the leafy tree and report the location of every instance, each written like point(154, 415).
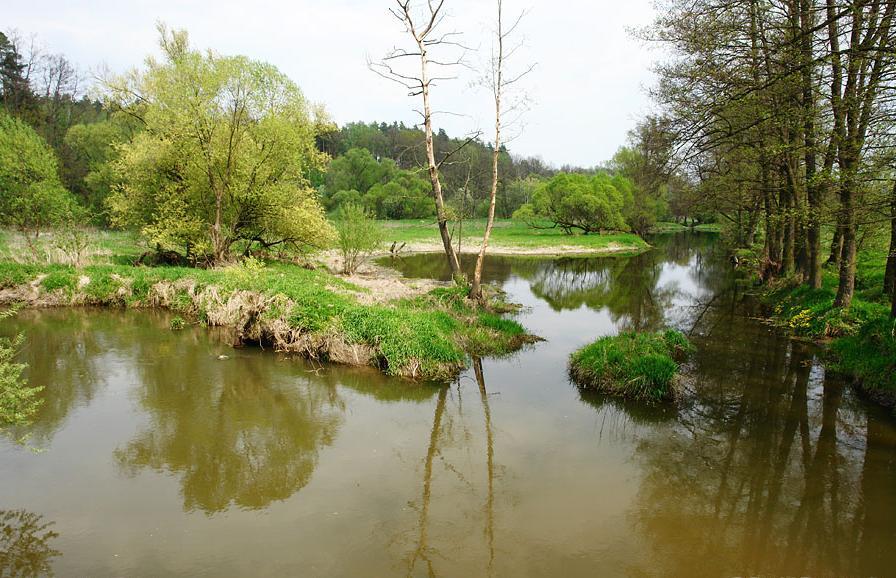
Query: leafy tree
point(357, 170)
point(88, 167)
point(32, 197)
point(15, 91)
point(18, 401)
point(224, 157)
point(406, 196)
point(576, 201)
point(359, 236)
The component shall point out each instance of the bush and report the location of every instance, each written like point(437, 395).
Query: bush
point(359, 236)
point(636, 365)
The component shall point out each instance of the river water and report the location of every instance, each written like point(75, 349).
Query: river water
point(156, 456)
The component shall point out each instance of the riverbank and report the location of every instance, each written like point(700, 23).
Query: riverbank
point(860, 341)
point(311, 313)
point(509, 238)
point(672, 227)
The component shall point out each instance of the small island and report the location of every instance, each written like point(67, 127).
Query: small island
point(632, 364)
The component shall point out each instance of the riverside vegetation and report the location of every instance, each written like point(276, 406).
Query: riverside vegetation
point(641, 366)
point(308, 312)
point(861, 339)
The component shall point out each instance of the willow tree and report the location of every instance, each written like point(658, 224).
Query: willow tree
point(224, 157)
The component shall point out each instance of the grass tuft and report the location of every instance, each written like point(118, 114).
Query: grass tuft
point(632, 364)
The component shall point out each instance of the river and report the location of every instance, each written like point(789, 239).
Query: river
point(170, 453)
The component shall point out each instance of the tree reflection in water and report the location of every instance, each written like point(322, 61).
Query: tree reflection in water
point(762, 472)
point(451, 433)
point(66, 369)
point(25, 549)
point(236, 433)
point(639, 292)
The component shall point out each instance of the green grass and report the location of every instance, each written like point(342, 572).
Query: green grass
point(104, 247)
point(861, 338)
point(634, 365)
point(512, 235)
point(428, 337)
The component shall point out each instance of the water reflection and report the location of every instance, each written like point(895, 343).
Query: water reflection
point(25, 545)
point(462, 455)
point(639, 292)
point(262, 465)
point(236, 432)
point(762, 472)
point(69, 370)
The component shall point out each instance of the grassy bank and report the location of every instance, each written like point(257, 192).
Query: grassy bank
point(510, 237)
point(671, 227)
point(861, 339)
point(633, 365)
point(308, 312)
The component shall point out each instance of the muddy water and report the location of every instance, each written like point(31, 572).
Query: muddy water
point(158, 457)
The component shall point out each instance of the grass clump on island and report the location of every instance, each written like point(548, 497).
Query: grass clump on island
point(513, 237)
point(308, 312)
point(632, 364)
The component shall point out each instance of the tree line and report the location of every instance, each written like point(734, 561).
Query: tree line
point(781, 114)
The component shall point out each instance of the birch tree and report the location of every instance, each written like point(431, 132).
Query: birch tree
point(499, 83)
point(423, 25)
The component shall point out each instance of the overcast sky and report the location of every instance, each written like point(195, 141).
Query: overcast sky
point(586, 92)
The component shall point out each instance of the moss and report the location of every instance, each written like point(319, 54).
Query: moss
point(631, 364)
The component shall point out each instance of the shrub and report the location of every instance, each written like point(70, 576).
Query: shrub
point(359, 236)
point(637, 365)
point(18, 401)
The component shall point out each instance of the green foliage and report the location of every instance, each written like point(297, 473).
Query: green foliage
point(89, 168)
point(359, 236)
point(869, 355)
point(18, 401)
point(225, 157)
point(575, 201)
point(862, 342)
point(385, 190)
point(357, 170)
point(631, 364)
point(32, 197)
point(177, 323)
point(428, 337)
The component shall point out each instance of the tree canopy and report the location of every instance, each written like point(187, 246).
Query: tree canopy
point(224, 158)
point(573, 201)
point(32, 197)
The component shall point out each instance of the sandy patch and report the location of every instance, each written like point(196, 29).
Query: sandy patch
point(379, 284)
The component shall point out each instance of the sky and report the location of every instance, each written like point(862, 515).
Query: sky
point(587, 90)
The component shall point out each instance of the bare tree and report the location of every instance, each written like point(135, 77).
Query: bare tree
point(422, 24)
point(499, 84)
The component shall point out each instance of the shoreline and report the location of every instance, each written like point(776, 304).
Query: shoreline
point(613, 249)
point(427, 332)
